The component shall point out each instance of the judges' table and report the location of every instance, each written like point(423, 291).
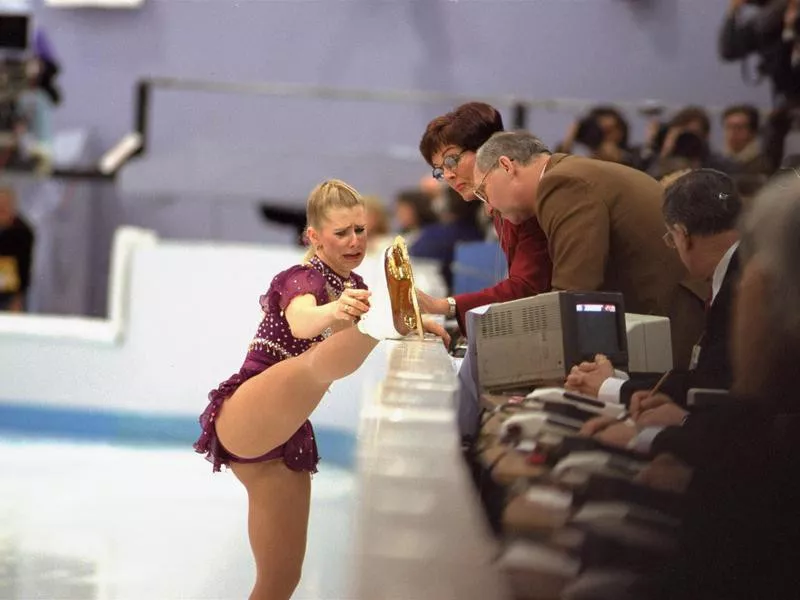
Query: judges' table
point(420, 532)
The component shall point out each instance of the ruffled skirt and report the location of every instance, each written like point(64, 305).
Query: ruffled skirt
point(299, 452)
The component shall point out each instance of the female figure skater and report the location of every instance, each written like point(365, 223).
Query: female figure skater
point(257, 420)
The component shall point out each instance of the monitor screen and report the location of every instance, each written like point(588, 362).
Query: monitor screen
point(597, 328)
point(13, 32)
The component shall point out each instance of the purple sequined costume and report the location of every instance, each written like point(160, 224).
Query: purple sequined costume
point(273, 343)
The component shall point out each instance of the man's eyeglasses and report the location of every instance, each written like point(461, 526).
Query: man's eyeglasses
point(449, 162)
point(480, 191)
point(669, 240)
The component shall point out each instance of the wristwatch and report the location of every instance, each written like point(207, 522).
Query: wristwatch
point(452, 304)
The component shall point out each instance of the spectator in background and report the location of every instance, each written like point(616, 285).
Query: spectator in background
point(742, 147)
point(432, 188)
point(378, 224)
point(459, 223)
point(740, 124)
point(604, 132)
point(773, 34)
point(413, 211)
point(16, 253)
point(683, 143)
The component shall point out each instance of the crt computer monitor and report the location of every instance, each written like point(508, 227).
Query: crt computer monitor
point(537, 340)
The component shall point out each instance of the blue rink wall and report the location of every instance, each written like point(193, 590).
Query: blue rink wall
point(336, 446)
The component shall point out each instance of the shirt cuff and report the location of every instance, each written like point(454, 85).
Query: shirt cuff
point(643, 441)
point(610, 390)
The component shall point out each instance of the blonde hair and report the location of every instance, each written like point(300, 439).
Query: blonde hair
point(330, 194)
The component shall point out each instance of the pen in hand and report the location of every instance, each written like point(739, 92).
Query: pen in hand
point(635, 415)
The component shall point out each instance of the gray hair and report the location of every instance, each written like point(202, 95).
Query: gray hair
point(519, 146)
point(771, 233)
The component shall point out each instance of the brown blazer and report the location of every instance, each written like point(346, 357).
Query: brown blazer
point(604, 228)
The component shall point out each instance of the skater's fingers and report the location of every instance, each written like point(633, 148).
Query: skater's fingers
point(359, 294)
point(356, 307)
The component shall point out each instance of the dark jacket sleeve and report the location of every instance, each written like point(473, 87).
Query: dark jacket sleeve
point(739, 531)
point(676, 386)
point(719, 438)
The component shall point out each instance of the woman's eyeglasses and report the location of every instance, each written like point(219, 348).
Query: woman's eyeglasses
point(449, 162)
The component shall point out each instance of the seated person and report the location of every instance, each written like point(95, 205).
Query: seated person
point(741, 527)
point(741, 125)
point(684, 142)
point(603, 226)
point(413, 211)
point(701, 210)
point(438, 241)
point(378, 224)
point(604, 132)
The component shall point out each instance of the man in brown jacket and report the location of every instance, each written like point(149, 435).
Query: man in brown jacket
point(603, 225)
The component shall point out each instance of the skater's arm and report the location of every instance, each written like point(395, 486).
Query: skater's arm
point(307, 320)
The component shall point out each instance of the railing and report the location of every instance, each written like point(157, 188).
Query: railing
point(419, 529)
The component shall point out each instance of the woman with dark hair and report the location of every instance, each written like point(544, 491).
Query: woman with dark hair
point(449, 145)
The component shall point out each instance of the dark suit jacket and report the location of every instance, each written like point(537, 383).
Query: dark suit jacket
point(741, 526)
point(713, 368)
point(604, 231)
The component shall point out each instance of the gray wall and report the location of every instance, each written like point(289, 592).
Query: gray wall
point(212, 155)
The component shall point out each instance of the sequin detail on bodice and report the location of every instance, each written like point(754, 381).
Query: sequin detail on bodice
point(274, 340)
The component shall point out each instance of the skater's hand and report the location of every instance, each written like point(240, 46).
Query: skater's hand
point(432, 326)
point(351, 304)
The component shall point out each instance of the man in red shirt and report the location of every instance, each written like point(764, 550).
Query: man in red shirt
point(449, 145)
